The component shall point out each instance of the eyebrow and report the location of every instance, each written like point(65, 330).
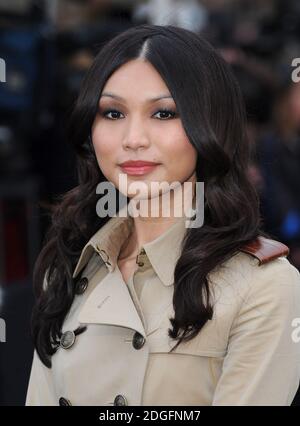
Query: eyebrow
point(157, 98)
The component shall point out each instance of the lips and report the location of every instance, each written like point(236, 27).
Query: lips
point(138, 168)
point(138, 163)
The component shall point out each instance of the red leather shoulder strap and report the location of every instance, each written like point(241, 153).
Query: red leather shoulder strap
point(265, 249)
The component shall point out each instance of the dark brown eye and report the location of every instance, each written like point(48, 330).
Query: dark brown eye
point(166, 114)
point(111, 111)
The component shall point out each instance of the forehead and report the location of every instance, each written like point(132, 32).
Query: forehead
point(136, 79)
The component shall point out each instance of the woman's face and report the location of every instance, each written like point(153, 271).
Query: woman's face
point(129, 125)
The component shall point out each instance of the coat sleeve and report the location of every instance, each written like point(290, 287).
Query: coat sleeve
point(41, 389)
point(262, 364)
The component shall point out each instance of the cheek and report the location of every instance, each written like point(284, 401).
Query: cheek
point(105, 150)
point(105, 147)
point(182, 154)
point(102, 141)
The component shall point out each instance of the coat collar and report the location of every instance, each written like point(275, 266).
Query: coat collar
point(163, 252)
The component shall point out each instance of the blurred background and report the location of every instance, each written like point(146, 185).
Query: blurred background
point(46, 48)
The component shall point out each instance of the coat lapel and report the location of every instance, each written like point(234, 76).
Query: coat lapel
point(110, 303)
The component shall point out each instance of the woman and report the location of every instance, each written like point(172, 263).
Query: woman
point(137, 310)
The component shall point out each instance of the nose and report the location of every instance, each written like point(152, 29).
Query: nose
point(136, 137)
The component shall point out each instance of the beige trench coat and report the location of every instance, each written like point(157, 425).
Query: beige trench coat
point(248, 354)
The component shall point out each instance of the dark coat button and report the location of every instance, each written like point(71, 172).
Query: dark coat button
point(82, 285)
point(120, 400)
point(67, 339)
point(138, 340)
point(139, 257)
point(64, 402)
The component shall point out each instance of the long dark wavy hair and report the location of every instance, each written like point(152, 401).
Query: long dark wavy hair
point(211, 108)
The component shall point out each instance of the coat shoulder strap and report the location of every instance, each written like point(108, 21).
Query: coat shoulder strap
point(265, 249)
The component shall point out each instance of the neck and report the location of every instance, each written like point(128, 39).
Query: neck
point(148, 227)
